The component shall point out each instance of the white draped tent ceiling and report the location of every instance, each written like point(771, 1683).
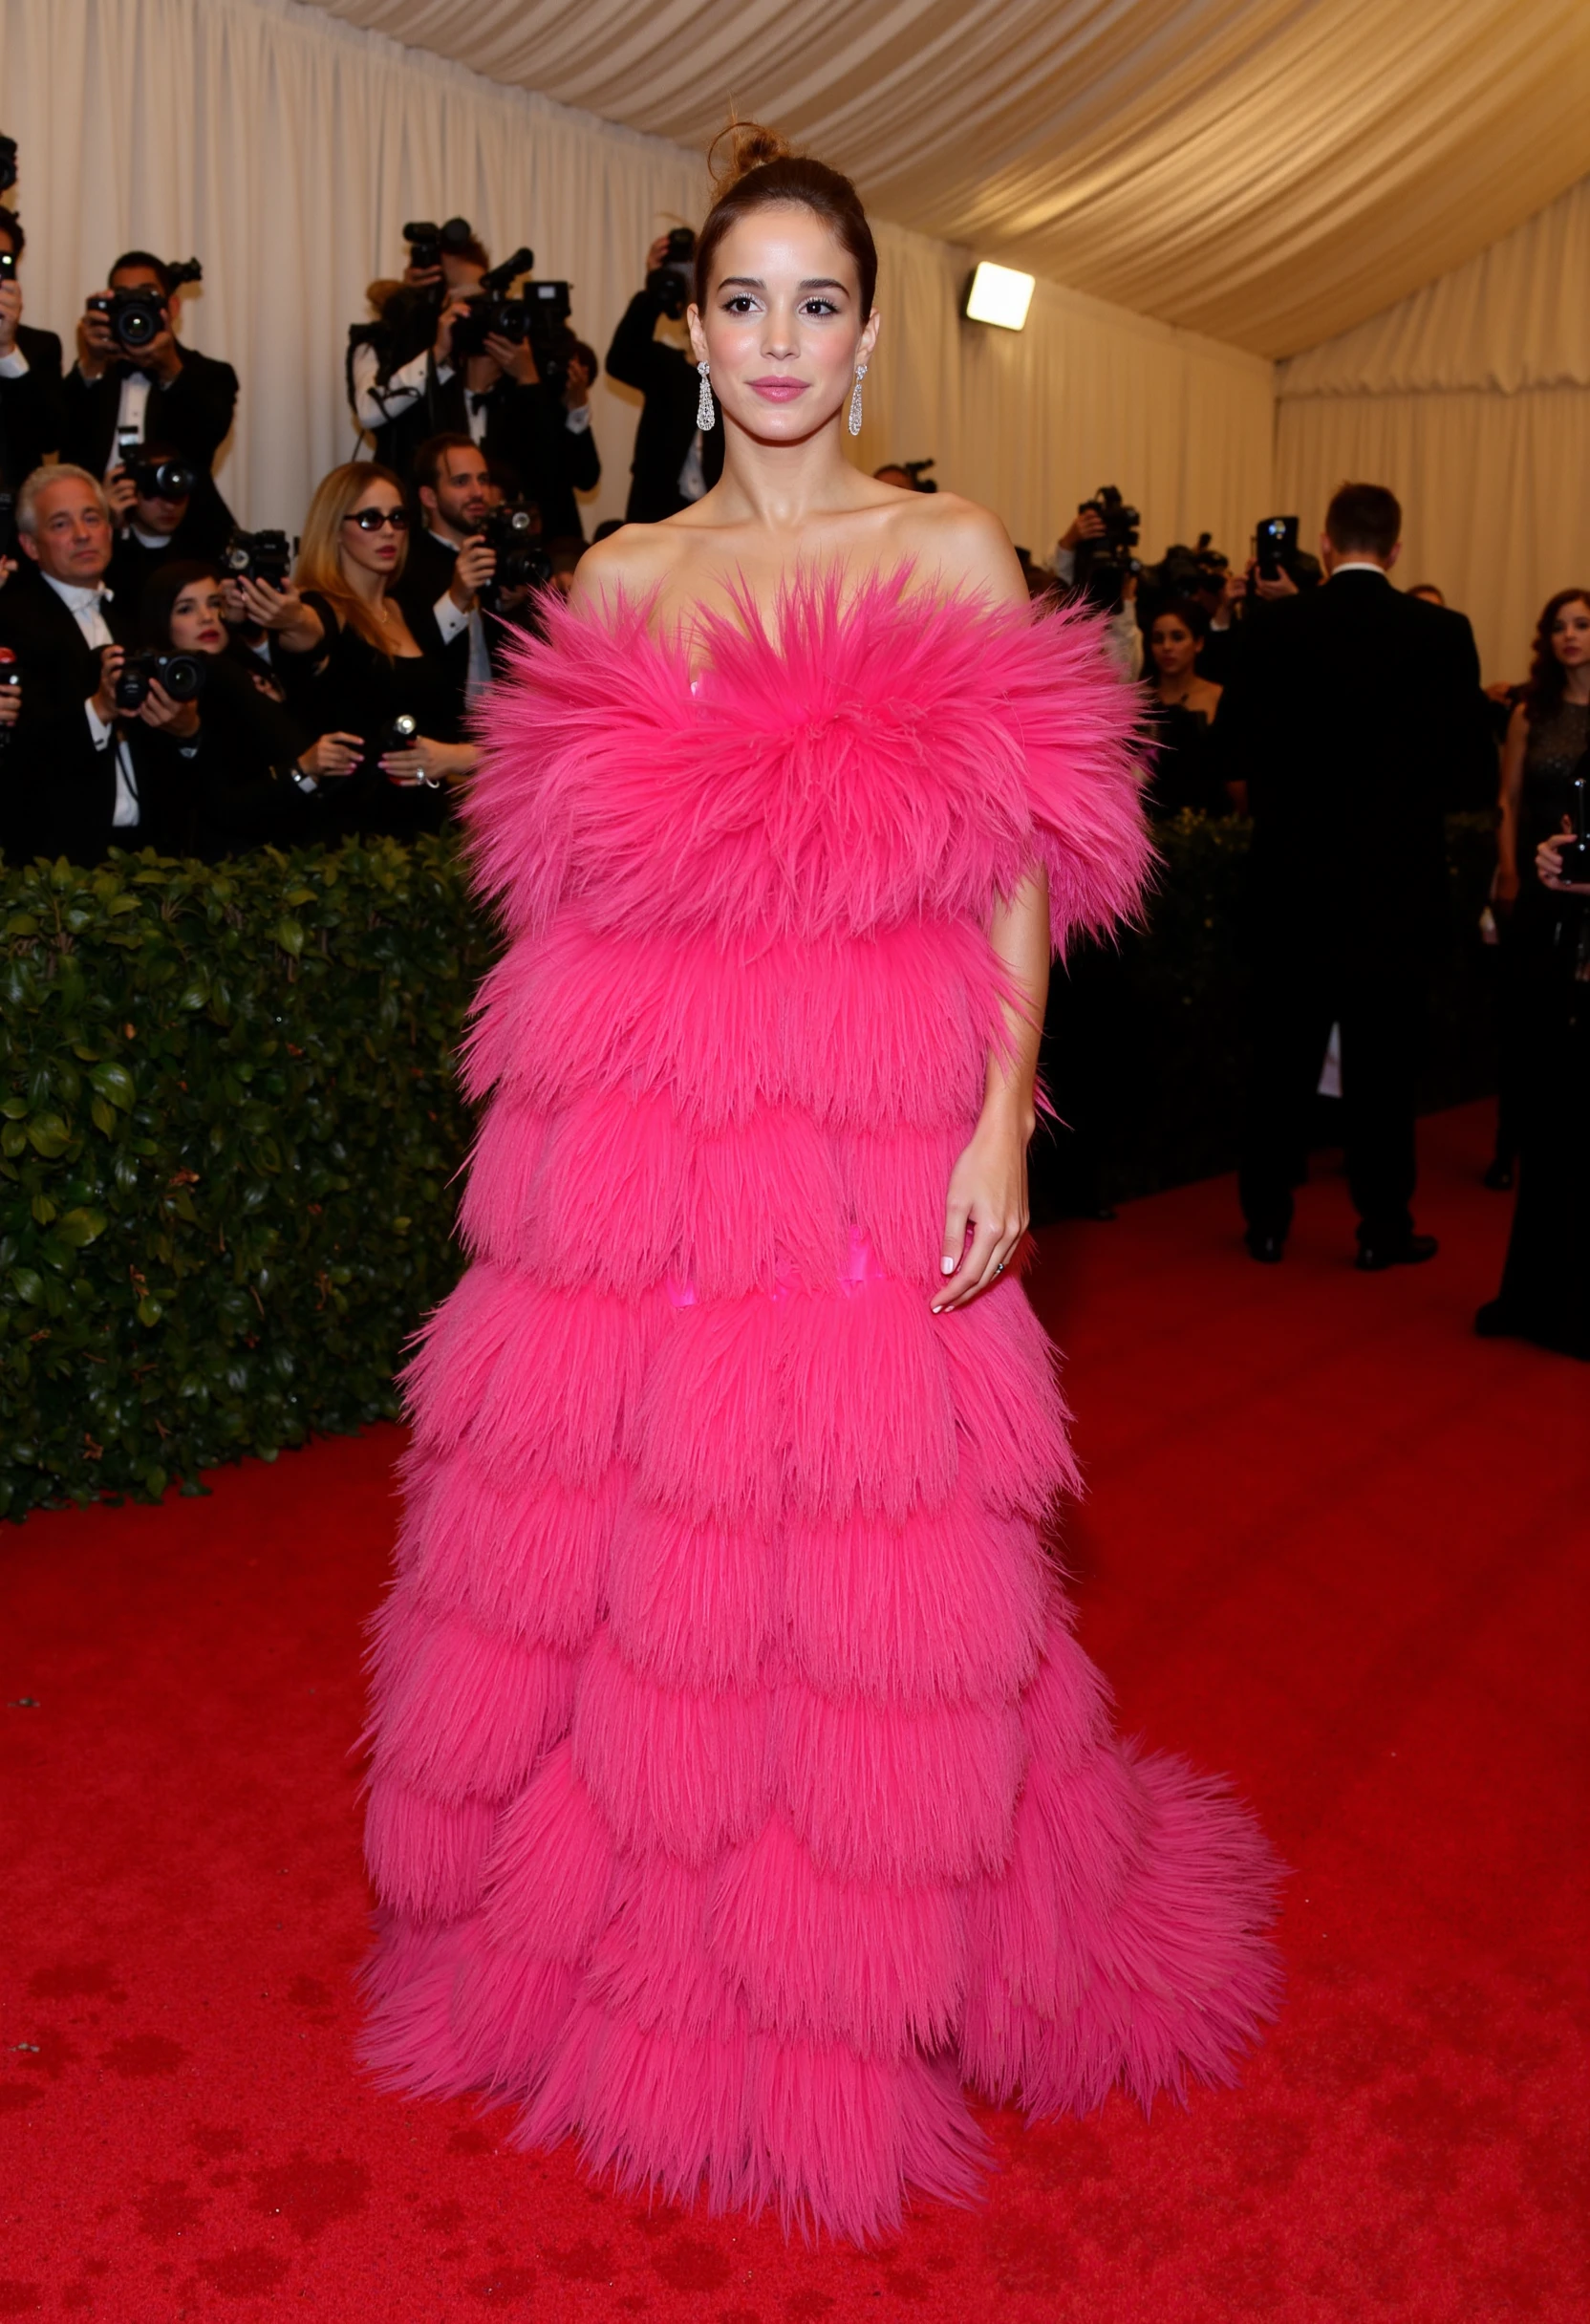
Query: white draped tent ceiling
point(1267, 172)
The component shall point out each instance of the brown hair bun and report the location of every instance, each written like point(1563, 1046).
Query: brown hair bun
point(750, 146)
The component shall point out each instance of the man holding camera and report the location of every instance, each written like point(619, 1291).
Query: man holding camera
point(30, 372)
point(675, 464)
point(489, 387)
point(1347, 708)
point(151, 501)
point(79, 775)
point(135, 384)
point(448, 562)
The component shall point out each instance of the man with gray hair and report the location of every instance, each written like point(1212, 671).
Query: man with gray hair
point(78, 777)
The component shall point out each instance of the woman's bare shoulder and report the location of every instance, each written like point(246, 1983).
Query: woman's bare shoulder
point(960, 541)
point(631, 563)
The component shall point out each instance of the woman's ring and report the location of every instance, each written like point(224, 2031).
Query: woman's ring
point(999, 1266)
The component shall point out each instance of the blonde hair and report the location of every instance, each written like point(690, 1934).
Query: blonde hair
point(56, 472)
point(320, 566)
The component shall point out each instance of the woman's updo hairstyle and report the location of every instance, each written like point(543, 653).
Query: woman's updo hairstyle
point(760, 170)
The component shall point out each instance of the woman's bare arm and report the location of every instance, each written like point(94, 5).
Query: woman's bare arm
point(1513, 783)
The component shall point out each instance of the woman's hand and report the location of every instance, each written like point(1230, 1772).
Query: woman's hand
point(1548, 864)
point(180, 719)
point(331, 755)
point(280, 609)
point(988, 1191)
point(428, 762)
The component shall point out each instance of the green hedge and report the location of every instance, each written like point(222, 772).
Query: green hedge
point(229, 1125)
point(230, 1130)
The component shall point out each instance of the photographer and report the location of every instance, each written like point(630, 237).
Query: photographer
point(118, 397)
point(448, 564)
point(352, 666)
point(393, 372)
point(151, 500)
point(492, 390)
point(673, 461)
point(253, 779)
point(81, 774)
point(1070, 562)
point(30, 416)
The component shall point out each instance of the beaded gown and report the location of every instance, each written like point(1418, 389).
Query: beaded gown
point(739, 1793)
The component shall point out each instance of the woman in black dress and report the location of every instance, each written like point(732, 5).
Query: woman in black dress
point(1545, 1290)
point(1187, 768)
point(351, 664)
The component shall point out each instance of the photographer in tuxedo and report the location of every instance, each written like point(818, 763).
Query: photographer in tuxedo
point(449, 563)
point(30, 373)
point(1345, 713)
point(78, 775)
point(116, 399)
point(674, 461)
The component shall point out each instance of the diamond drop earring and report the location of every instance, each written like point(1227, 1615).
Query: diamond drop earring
point(855, 401)
point(706, 411)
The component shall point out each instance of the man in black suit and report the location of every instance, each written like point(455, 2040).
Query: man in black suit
point(448, 564)
point(29, 373)
point(1349, 706)
point(675, 462)
point(77, 776)
point(116, 403)
point(154, 527)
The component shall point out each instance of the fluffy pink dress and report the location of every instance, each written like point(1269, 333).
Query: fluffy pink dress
point(739, 1793)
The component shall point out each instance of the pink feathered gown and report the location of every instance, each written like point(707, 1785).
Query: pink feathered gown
point(739, 1793)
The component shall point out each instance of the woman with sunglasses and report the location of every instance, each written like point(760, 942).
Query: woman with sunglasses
point(349, 661)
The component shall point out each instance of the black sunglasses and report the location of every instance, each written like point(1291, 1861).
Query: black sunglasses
point(371, 519)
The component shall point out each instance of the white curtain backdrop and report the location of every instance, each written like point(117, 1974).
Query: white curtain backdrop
point(1472, 401)
point(287, 149)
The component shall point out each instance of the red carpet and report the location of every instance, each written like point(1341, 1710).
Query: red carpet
point(1334, 1545)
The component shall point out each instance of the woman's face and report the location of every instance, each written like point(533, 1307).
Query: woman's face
point(1570, 633)
point(375, 551)
point(197, 626)
point(1173, 646)
point(783, 326)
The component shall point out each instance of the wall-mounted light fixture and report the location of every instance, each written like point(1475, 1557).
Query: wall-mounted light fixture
point(998, 295)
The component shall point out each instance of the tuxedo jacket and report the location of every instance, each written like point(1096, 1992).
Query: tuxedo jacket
point(671, 387)
point(31, 415)
point(193, 415)
point(1347, 714)
point(57, 791)
point(427, 572)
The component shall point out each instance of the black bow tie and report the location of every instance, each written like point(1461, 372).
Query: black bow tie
point(479, 402)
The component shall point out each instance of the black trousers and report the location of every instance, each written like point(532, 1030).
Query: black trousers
point(1295, 998)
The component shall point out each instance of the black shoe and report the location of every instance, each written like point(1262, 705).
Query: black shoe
point(1498, 1177)
point(1408, 1251)
point(1268, 1249)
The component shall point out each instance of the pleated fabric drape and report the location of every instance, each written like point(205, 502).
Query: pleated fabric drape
point(287, 149)
point(1472, 401)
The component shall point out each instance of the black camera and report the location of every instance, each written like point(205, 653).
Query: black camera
point(493, 311)
point(399, 733)
point(429, 243)
point(1276, 551)
point(258, 556)
point(7, 164)
point(1200, 572)
point(10, 675)
point(8, 265)
point(917, 471)
point(161, 480)
point(138, 317)
point(1104, 564)
point(672, 284)
point(513, 535)
point(182, 675)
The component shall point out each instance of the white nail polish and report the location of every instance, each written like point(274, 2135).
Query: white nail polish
point(946, 1267)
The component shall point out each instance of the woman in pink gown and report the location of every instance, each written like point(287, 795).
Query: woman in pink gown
point(739, 1794)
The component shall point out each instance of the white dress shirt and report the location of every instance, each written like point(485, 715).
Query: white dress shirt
point(449, 621)
point(87, 608)
point(14, 365)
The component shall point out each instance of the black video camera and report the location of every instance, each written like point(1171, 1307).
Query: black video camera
point(917, 471)
point(513, 535)
point(1103, 566)
point(182, 675)
point(258, 556)
point(161, 480)
point(429, 243)
point(1184, 573)
point(672, 284)
point(137, 317)
point(8, 265)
